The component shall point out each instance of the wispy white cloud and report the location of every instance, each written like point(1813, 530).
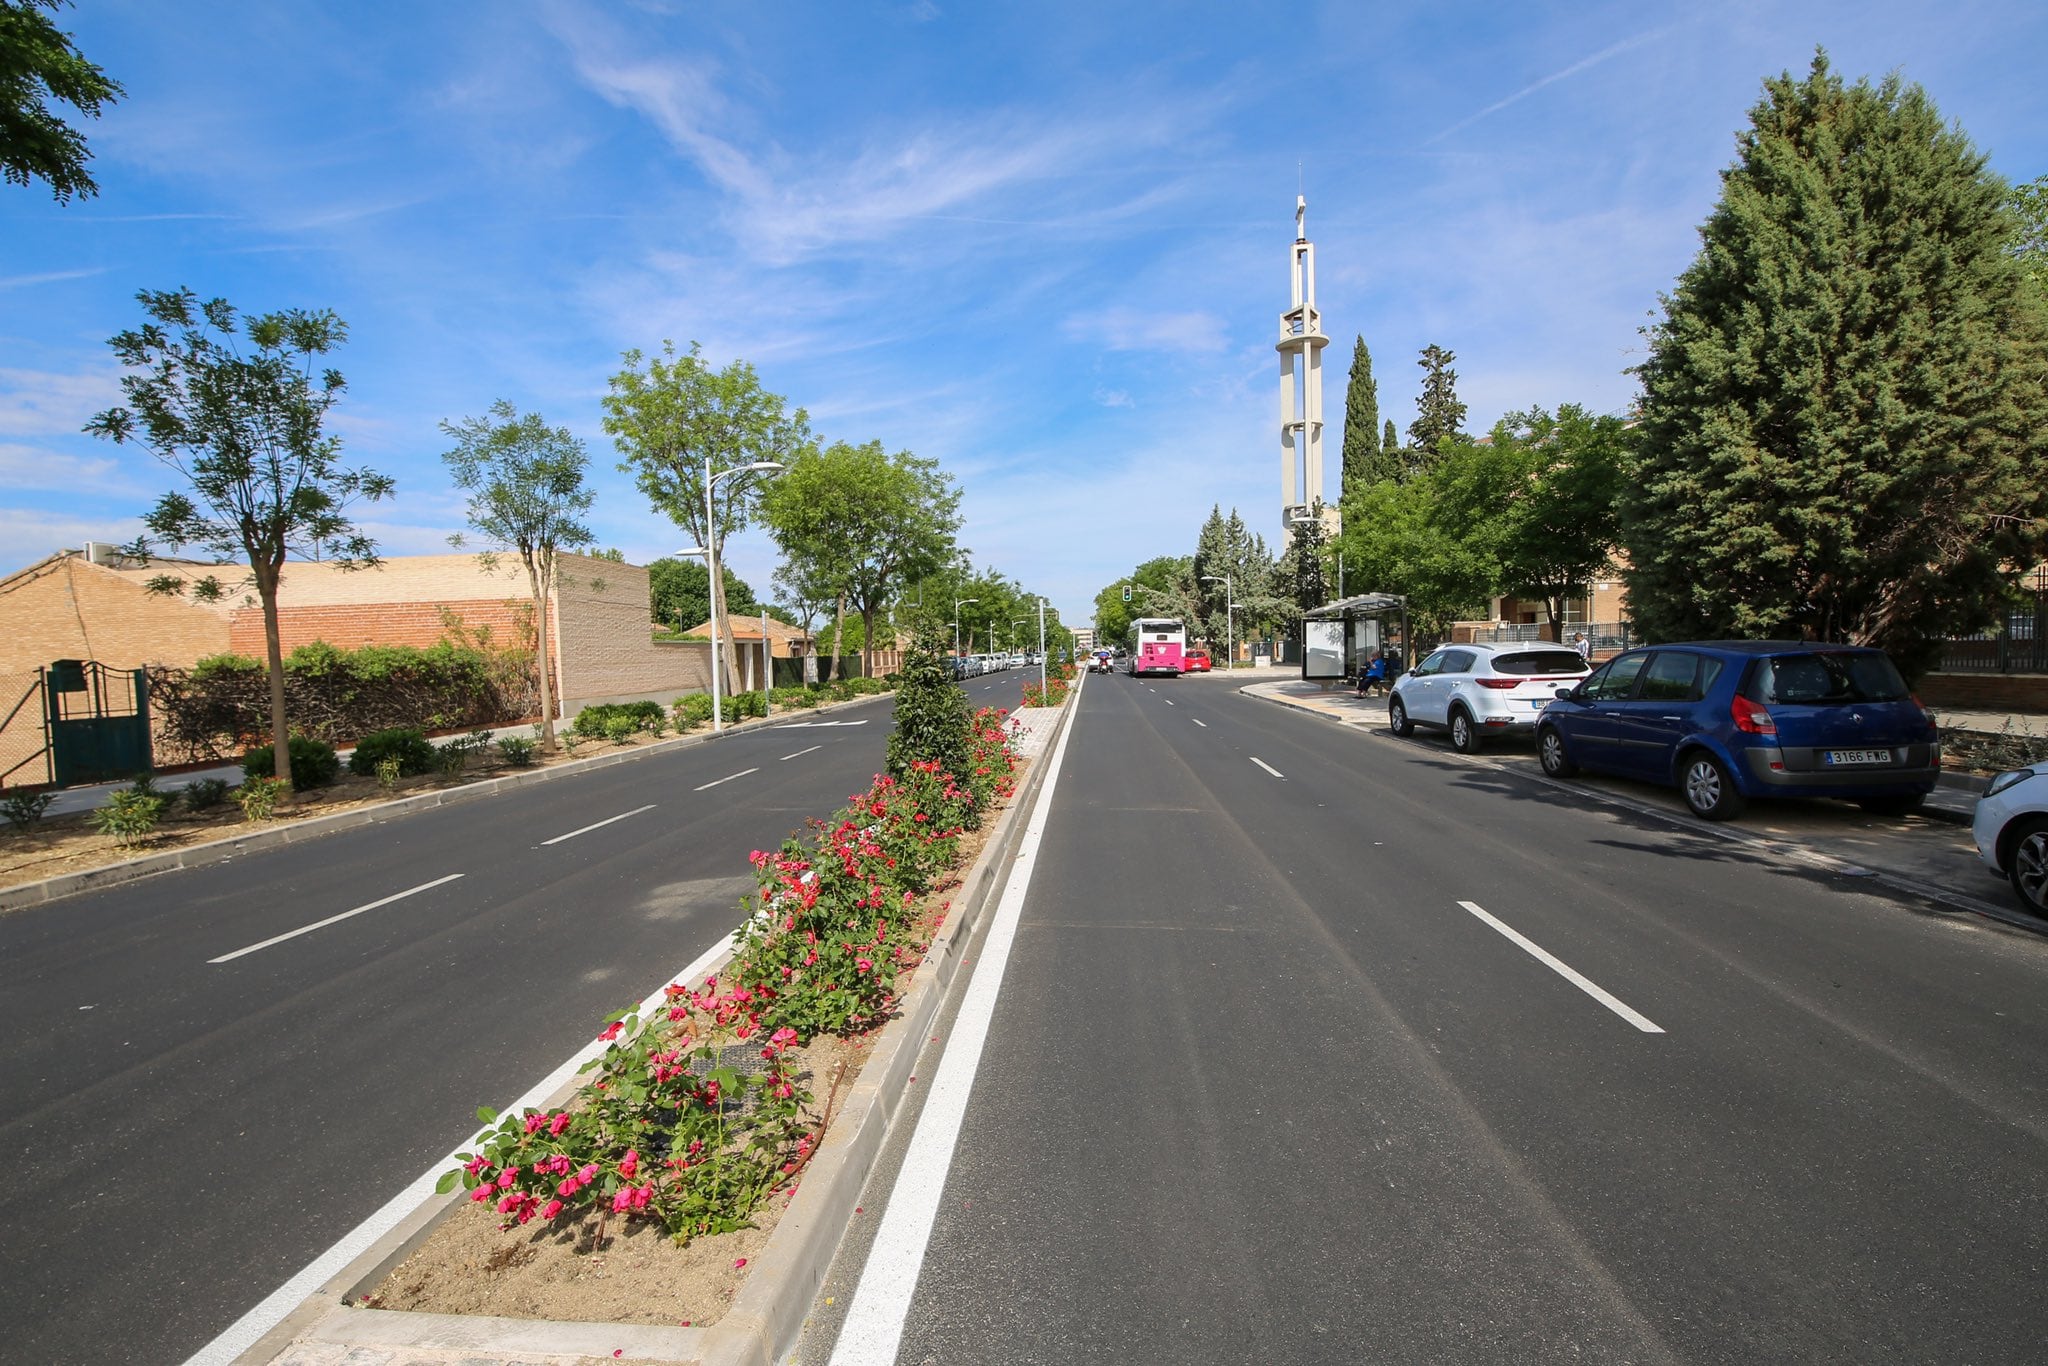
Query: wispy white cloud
point(1607, 53)
point(25, 467)
point(49, 277)
point(50, 403)
point(1137, 329)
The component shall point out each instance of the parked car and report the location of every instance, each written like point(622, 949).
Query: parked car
point(1727, 720)
point(1195, 662)
point(1473, 690)
point(2011, 829)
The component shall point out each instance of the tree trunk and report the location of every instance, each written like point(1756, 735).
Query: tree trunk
point(867, 644)
point(541, 586)
point(839, 637)
point(273, 641)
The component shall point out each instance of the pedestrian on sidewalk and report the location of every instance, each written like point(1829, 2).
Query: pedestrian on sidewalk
point(1583, 646)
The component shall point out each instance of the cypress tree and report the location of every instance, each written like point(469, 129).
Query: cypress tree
point(1362, 462)
point(1842, 427)
point(1438, 413)
point(932, 716)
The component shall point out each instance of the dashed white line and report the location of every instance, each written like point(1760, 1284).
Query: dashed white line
point(322, 924)
point(1569, 973)
point(1200, 722)
point(1268, 767)
point(598, 826)
point(726, 779)
point(1169, 701)
point(798, 755)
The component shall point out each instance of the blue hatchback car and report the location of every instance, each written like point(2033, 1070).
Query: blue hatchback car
point(1727, 720)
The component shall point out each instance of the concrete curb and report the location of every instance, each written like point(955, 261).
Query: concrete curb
point(269, 837)
point(768, 1316)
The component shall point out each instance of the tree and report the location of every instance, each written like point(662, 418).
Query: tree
point(525, 485)
point(679, 593)
point(2028, 204)
point(933, 723)
point(1846, 400)
point(1299, 576)
point(678, 418)
point(1397, 545)
point(243, 427)
point(865, 520)
point(1438, 413)
point(39, 63)
point(1364, 456)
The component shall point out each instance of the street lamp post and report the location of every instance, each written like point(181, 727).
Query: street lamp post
point(1020, 621)
point(711, 566)
point(1229, 615)
point(1041, 647)
point(959, 603)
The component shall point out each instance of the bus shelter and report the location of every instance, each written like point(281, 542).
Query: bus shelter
point(1339, 638)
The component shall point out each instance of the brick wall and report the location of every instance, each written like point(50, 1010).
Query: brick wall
point(349, 626)
point(606, 650)
point(1985, 692)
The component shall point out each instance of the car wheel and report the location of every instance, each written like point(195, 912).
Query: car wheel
point(2026, 864)
point(1397, 718)
point(1708, 788)
point(1464, 735)
point(1551, 751)
point(1893, 806)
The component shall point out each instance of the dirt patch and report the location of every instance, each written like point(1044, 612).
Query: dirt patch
point(630, 1271)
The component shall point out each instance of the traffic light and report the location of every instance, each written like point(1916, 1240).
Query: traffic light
point(1127, 592)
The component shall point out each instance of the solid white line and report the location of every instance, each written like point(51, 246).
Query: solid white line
point(244, 1332)
point(1200, 722)
point(1268, 767)
point(799, 754)
point(726, 779)
point(322, 924)
point(874, 1322)
point(599, 826)
point(1570, 974)
point(818, 725)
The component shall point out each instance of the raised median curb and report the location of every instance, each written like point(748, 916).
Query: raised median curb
point(270, 836)
point(767, 1318)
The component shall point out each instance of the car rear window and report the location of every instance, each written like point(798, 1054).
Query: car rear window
point(1824, 678)
point(1529, 663)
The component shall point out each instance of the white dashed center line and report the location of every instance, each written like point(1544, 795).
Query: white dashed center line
point(726, 779)
point(799, 754)
point(321, 924)
point(1269, 768)
point(598, 826)
point(1570, 974)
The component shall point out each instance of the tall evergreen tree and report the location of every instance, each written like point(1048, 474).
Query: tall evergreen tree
point(1362, 459)
point(1845, 403)
point(1438, 413)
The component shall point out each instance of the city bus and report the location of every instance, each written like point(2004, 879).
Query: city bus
point(1156, 645)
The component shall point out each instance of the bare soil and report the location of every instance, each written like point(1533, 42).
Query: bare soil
point(629, 1271)
point(57, 845)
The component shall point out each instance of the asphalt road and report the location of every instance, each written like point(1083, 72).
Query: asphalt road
point(1269, 1080)
point(190, 1133)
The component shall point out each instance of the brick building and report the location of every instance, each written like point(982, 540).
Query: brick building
point(93, 605)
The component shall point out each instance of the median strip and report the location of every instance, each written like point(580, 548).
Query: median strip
point(322, 924)
point(603, 823)
point(1570, 974)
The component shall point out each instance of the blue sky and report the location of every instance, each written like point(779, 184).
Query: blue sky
point(1044, 242)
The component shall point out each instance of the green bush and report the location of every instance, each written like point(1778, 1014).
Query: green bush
point(24, 809)
point(595, 722)
point(453, 756)
point(206, 794)
point(407, 744)
point(619, 729)
point(314, 763)
point(692, 709)
point(518, 753)
point(933, 724)
point(795, 699)
point(258, 798)
point(129, 815)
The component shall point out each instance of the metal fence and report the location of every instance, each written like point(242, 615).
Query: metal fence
point(2018, 646)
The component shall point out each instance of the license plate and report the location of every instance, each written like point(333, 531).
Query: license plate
point(1859, 756)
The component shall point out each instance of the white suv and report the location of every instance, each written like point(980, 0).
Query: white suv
point(1474, 690)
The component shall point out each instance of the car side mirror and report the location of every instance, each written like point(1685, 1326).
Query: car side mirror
point(1567, 694)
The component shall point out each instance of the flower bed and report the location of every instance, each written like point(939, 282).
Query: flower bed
point(668, 1162)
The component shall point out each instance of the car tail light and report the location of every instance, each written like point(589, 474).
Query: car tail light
point(1502, 683)
point(1750, 717)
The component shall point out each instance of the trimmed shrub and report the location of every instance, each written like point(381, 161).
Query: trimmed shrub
point(518, 753)
point(314, 763)
point(692, 709)
point(620, 728)
point(595, 722)
point(24, 809)
point(129, 816)
point(258, 798)
point(407, 744)
point(206, 794)
point(795, 699)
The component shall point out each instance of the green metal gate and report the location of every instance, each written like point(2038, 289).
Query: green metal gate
point(97, 720)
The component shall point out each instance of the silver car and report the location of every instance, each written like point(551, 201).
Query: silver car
point(1478, 690)
point(2011, 830)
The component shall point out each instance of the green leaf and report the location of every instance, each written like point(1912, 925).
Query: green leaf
point(447, 1181)
point(485, 1114)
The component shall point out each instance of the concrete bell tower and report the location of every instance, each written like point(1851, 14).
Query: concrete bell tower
point(1301, 389)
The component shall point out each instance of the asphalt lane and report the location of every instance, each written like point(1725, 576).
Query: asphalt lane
point(190, 1133)
point(1262, 1086)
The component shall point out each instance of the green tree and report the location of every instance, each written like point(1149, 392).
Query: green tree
point(1438, 413)
point(526, 494)
point(2028, 203)
point(1365, 459)
point(933, 723)
point(39, 63)
point(244, 429)
point(1299, 578)
point(1846, 400)
point(679, 593)
point(1397, 545)
point(865, 520)
point(678, 418)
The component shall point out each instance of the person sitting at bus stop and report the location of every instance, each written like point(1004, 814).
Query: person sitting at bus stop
point(1373, 676)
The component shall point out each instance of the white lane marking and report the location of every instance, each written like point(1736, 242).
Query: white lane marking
point(322, 924)
point(599, 826)
point(1269, 768)
point(726, 779)
point(1169, 701)
point(873, 1329)
point(1200, 722)
point(239, 1336)
point(798, 755)
point(819, 725)
point(1569, 973)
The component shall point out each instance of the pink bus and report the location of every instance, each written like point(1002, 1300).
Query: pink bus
point(1157, 645)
